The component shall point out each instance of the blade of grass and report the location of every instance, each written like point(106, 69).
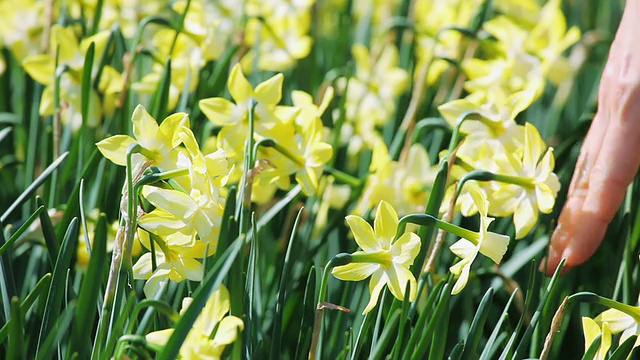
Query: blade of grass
point(59, 330)
point(33, 187)
point(473, 338)
point(15, 350)
point(496, 330)
point(56, 293)
point(48, 232)
point(282, 290)
point(89, 292)
point(16, 235)
point(39, 291)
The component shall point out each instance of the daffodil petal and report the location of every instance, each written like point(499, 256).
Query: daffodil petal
point(363, 233)
point(377, 282)
point(525, 218)
point(405, 249)
point(239, 87)
point(354, 271)
point(385, 224)
point(219, 111)
point(269, 92)
point(115, 148)
point(228, 330)
point(159, 337)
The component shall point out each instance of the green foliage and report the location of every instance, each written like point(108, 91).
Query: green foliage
point(59, 195)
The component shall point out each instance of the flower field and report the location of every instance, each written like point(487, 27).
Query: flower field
point(321, 179)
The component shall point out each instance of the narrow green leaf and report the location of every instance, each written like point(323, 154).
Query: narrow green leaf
point(39, 291)
point(425, 313)
point(389, 333)
point(16, 235)
point(496, 330)
point(306, 320)
point(526, 337)
point(160, 101)
point(58, 280)
point(475, 332)
point(85, 92)
point(624, 350)
point(73, 203)
point(15, 350)
point(49, 233)
point(59, 329)
point(33, 187)
point(456, 352)
point(426, 337)
point(89, 291)
point(282, 290)
point(593, 348)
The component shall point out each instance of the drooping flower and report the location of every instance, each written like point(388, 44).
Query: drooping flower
point(488, 243)
point(212, 331)
point(385, 260)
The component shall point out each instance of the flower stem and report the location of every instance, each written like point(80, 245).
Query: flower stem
point(338, 260)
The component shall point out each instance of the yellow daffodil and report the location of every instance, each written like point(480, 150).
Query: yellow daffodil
point(67, 51)
point(234, 118)
point(159, 142)
point(212, 331)
point(405, 184)
point(620, 322)
point(490, 244)
point(591, 331)
point(537, 185)
point(372, 91)
point(385, 260)
point(199, 211)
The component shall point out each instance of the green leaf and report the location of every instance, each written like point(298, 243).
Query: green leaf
point(475, 332)
point(282, 290)
point(15, 350)
point(624, 350)
point(16, 235)
point(90, 290)
point(58, 280)
point(160, 101)
point(496, 330)
point(49, 233)
point(39, 291)
point(59, 329)
point(85, 90)
point(33, 186)
point(389, 333)
point(593, 348)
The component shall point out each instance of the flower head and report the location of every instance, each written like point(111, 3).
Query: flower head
point(488, 243)
point(385, 260)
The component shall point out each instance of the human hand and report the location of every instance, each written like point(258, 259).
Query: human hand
point(610, 154)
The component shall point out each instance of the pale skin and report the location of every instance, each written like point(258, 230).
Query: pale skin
point(610, 155)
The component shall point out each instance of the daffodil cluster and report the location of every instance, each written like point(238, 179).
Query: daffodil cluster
point(525, 56)
point(292, 137)
point(187, 211)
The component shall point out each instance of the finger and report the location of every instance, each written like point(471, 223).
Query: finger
point(594, 202)
point(576, 195)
